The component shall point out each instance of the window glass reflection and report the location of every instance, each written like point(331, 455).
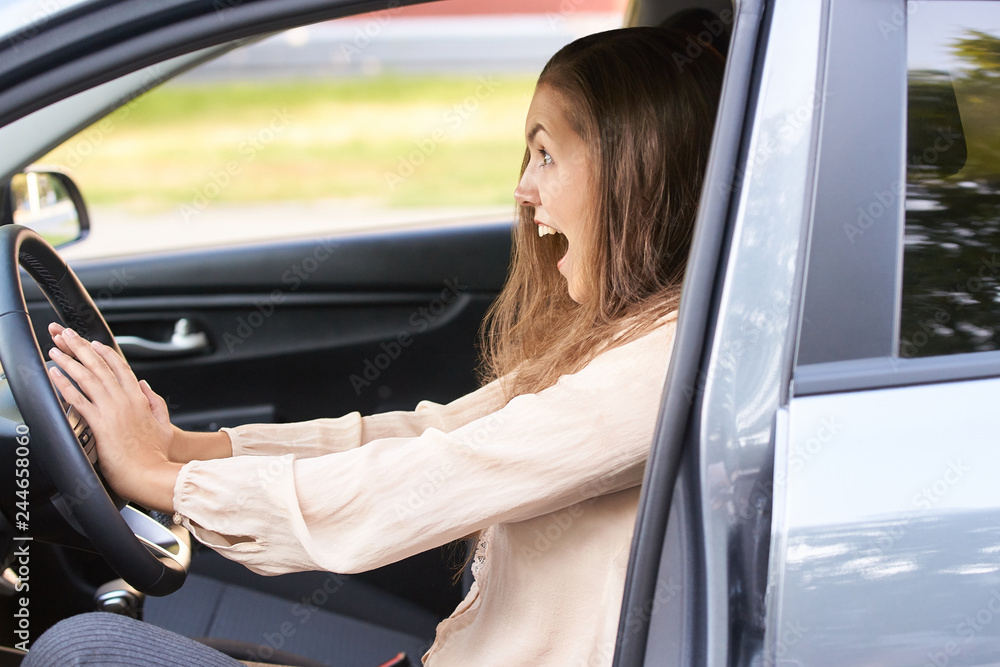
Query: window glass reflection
point(951, 263)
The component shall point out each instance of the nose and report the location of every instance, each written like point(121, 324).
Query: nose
point(526, 192)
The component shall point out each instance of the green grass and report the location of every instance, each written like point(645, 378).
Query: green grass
point(389, 140)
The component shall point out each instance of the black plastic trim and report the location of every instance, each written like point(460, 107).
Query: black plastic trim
point(363, 264)
point(850, 308)
point(249, 300)
point(875, 373)
point(684, 375)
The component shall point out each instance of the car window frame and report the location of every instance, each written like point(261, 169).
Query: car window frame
point(93, 45)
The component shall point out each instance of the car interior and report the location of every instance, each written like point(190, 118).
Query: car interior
point(266, 332)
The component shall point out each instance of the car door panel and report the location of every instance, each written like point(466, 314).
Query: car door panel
point(880, 531)
point(304, 329)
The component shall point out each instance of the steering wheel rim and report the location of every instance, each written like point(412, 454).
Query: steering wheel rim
point(59, 454)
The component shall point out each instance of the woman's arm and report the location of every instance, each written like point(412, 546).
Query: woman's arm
point(132, 427)
point(320, 437)
point(199, 446)
point(141, 452)
point(586, 436)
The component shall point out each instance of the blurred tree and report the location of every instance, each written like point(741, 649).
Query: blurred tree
point(951, 266)
point(981, 51)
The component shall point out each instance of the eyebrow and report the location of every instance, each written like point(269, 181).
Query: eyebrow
point(534, 130)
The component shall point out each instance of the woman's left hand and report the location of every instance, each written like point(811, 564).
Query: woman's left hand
point(129, 421)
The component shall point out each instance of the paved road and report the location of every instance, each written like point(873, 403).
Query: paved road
point(116, 232)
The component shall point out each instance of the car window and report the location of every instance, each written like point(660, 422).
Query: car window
point(412, 116)
point(951, 262)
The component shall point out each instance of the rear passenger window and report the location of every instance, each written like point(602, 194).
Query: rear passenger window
point(951, 262)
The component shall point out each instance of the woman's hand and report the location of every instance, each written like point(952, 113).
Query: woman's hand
point(130, 422)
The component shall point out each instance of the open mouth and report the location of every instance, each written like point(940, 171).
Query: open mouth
point(545, 230)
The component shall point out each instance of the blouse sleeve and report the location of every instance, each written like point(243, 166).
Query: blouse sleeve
point(325, 436)
point(361, 508)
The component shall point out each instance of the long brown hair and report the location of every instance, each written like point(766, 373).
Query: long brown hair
point(646, 112)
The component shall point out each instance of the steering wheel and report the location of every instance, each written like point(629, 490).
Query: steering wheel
point(139, 560)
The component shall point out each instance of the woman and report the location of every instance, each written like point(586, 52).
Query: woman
point(543, 464)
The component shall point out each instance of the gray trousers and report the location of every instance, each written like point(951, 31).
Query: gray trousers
point(108, 639)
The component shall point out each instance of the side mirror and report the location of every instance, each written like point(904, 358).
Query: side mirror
point(48, 201)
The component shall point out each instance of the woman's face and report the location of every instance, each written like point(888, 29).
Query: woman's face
point(557, 181)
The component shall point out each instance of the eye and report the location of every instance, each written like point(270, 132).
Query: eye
point(546, 158)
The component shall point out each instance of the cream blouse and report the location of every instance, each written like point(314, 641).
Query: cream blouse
point(552, 479)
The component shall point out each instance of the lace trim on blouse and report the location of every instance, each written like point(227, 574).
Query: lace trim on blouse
point(479, 559)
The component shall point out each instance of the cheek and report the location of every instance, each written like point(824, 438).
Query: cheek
point(548, 192)
point(560, 186)
point(578, 192)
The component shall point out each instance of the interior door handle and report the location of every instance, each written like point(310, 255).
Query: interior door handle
point(183, 342)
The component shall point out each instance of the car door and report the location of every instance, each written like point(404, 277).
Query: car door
point(850, 233)
point(293, 330)
point(885, 505)
point(733, 341)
